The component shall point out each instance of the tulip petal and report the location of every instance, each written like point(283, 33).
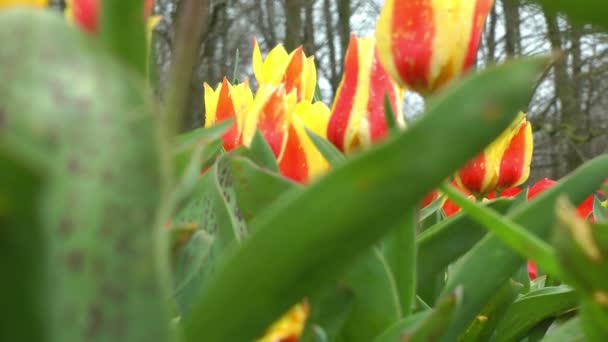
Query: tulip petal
point(516, 158)
point(257, 62)
point(270, 114)
point(478, 176)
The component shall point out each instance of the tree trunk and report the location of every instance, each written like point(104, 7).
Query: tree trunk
point(293, 24)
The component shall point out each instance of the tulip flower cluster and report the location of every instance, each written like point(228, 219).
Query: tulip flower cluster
point(281, 110)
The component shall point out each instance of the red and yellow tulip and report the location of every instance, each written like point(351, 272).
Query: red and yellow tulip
point(85, 13)
point(31, 3)
point(423, 44)
point(295, 71)
point(504, 164)
point(357, 116)
point(228, 102)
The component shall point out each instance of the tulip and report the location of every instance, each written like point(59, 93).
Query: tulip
point(290, 327)
point(294, 71)
point(423, 44)
point(502, 165)
point(31, 3)
point(228, 102)
point(86, 13)
point(357, 116)
point(301, 160)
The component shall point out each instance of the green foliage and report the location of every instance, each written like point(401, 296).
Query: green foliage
point(108, 220)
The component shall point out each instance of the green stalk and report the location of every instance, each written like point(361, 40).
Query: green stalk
point(509, 232)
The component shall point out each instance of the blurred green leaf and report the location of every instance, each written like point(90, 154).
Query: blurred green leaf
point(329, 310)
point(22, 292)
point(207, 134)
point(582, 248)
point(375, 298)
point(333, 215)
point(333, 156)
point(66, 98)
point(571, 331)
point(400, 253)
point(482, 327)
point(431, 209)
point(600, 213)
point(533, 308)
point(405, 325)
point(123, 30)
point(426, 326)
point(490, 263)
point(255, 188)
point(447, 241)
point(583, 11)
point(262, 154)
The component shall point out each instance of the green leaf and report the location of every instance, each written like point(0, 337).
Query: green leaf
point(482, 327)
point(389, 115)
point(448, 240)
point(329, 310)
point(255, 188)
point(333, 156)
point(571, 331)
point(262, 153)
point(600, 213)
point(490, 263)
point(533, 308)
point(333, 214)
point(235, 70)
point(584, 11)
point(22, 293)
point(194, 263)
point(67, 99)
point(123, 30)
point(376, 300)
point(510, 233)
point(405, 325)
point(425, 326)
point(582, 248)
point(431, 209)
point(208, 134)
point(400, 254)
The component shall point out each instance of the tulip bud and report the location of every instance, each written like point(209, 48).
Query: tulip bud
point(86, 13)
point(228, 102)
point(31, 3)
point(504, 164)
point(423, 44)
point(357, 116)
point(295, 71)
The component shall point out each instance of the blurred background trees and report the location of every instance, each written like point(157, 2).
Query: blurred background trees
point(569, 110)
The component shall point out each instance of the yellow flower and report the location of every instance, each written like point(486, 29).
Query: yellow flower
point(295, 71)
